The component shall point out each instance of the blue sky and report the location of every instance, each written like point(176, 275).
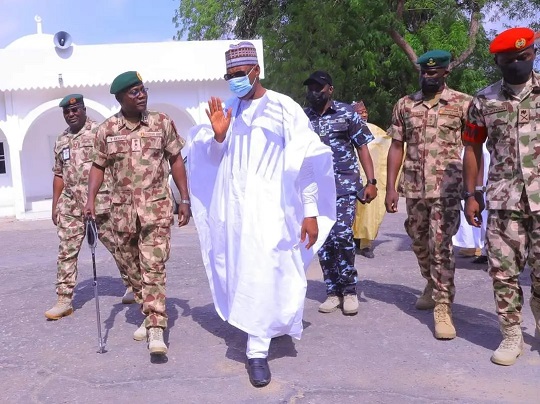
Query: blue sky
point(90, 21)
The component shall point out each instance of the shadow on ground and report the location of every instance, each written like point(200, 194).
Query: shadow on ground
point(236, 339)
point(474, 325)
point(107, 286)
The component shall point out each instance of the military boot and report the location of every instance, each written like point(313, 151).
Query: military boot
point(510, 347)
point(425, 301)
point(444, 326)
point(61, 309)
point(350, 304)
point(332, 303)
point(156, 345)
point(140, 333)
point(129, 296)
point(535, 308)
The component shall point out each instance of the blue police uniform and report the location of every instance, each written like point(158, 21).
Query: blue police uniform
point(341, 128)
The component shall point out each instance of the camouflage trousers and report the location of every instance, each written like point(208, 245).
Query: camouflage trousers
point(145, 254)
point(513, 239)
point(430, 224)
point(337, 254)
point(71, 232)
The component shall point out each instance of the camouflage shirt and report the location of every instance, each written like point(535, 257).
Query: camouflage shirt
point(138, 155)
point(341, 128)
point(432, 167)
point(72, 162)
point(511, 126)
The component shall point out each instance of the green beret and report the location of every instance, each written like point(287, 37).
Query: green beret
point(125, 80)
point(434, 59)
point(70, 100)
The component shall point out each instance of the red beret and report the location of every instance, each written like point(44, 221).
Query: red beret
point(512, 40)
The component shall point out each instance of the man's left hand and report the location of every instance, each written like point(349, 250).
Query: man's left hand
point(184, 213)
point(370, 193)
point(310, 228)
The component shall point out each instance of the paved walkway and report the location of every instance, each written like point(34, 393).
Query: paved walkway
point(385, 354)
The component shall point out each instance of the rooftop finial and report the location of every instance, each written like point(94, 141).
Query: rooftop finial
point(37, 19)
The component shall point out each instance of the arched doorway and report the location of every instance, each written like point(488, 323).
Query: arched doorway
point(183, 122)
point(6, 180)
point(182, 119)
point(37, 156)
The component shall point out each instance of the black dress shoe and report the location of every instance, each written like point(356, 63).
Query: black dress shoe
point(259, 372)
point(367, 252)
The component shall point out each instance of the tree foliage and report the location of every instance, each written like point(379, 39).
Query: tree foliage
point(357, 41)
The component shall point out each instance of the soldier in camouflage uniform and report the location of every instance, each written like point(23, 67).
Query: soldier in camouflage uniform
point(138, 145)
point(341, 128)
point(507, 116)
point(430, 122)
point(72, 153)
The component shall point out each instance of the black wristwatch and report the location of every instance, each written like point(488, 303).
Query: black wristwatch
point(466, 195)
point(372, 181)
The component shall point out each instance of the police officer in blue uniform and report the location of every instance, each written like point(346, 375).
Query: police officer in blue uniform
point(341, 128)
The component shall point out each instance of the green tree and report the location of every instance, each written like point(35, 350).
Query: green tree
point(368, 46)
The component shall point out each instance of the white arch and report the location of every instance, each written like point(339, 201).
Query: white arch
point(182, 118)
point(33, 115)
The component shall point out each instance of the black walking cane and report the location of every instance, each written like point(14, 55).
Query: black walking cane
point(92, 238)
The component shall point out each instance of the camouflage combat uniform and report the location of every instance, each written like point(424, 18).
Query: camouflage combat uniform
point(341, 128)
point(73, 159)
point(511, 126)
point(431, 181)
point(142, 207)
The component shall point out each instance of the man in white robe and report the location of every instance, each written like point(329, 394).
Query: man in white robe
point(469, 237)
point(263, 200)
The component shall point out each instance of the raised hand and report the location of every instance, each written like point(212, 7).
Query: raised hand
point(219, 119)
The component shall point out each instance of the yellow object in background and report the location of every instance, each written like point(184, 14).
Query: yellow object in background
point(369, 216)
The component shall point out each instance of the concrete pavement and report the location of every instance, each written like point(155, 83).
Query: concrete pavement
point(385, 354)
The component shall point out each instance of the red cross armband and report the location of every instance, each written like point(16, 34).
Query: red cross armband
point(474, 133)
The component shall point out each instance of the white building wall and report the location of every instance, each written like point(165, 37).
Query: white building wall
point(30, 90)
point(34, 120)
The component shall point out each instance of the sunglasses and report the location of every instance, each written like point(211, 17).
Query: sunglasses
point(237, 74)
point(134, 93)
point(72, 110)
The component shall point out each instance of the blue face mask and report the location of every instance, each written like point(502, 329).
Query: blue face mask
point(240, 86)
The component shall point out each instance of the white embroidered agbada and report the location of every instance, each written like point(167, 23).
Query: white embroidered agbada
point(468, 236)
point(248, 209)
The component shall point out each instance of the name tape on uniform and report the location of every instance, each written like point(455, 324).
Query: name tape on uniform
point(111, 139)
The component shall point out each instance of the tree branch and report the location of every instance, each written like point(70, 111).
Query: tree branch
point(404, 45)
point(474, 26)
point(398, 39)
point(399, 9)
